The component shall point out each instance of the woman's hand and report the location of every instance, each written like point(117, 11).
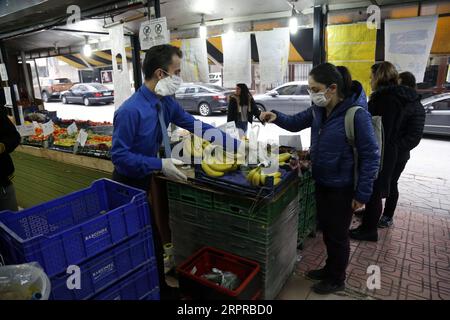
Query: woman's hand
point(356, 205)
point(267, 117)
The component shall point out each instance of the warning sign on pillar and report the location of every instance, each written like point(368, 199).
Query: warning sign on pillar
point(153, 33)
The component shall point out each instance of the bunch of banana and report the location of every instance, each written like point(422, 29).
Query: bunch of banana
point(283, 157)
point(256, 178)
point(194, 146)
point(216, 168)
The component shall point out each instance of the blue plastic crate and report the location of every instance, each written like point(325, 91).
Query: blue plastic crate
point(107, 268)
point(141, 285)
point(72, 228)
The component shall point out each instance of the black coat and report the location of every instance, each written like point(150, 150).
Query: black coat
point(412, 129)
point(395, 105)
point(233, 114)
point(11, 139)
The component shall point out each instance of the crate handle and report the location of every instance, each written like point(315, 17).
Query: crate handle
point(188, 198)
point(235, 209)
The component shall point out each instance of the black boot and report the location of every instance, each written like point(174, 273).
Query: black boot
point(319, 274)
point(363, 235)
point(328, 286)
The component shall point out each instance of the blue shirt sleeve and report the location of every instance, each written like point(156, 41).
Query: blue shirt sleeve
point(186, 121)
point(368, 155)
point(295, 123)
point(126, 162)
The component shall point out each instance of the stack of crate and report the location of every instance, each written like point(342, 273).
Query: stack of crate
point(262, 231)
point(307, 213)
point(95, 243)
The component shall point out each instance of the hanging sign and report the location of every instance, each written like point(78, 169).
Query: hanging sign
point(153, 33)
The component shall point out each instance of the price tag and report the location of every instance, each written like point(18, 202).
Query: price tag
point(26, 130)
point(82, 137)
point(8, 98)
point(36, 125)
point(72, 129)
point(47, 128)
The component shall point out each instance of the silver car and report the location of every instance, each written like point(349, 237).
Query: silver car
point(437, 110)
point(289, 98)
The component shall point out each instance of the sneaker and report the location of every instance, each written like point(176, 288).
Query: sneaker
point(319, 274)
point(327, 287)
point(385, 222)
point(363, 235)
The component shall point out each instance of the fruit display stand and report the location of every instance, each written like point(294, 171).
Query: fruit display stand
point(260, 229)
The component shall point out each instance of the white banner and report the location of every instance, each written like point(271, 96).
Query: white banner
point(273, 51)
point(121, 77)
point(237, 66)
point(194, 65)
point(408, 43)
point(153, 33)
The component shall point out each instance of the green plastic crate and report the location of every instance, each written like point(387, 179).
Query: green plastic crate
point(263, 211)
point(189, 194)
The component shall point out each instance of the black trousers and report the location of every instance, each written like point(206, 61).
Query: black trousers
point(334, 214)
point(373, 209)
point(144, 184)
point(392, 199)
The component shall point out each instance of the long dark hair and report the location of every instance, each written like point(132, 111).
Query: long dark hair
point(328, 74)
point(244, 96)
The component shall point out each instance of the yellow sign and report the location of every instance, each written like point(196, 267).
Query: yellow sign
point(353, 46)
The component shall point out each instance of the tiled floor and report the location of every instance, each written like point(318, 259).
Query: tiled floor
point(413, 255)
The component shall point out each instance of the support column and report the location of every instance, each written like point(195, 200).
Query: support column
point(318, 36)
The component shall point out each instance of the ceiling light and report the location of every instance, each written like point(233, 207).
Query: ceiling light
point(87, 50)
point(202, 30)
point(293, 21)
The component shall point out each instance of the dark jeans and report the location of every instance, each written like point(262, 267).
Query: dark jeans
point(144, 184)
point(373, 209)
point(8, 199)
point(391, 201)
point(334, 213)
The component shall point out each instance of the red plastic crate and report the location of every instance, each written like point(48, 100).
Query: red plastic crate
point(193, 286)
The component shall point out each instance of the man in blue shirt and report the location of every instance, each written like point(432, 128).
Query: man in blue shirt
point(140, 125)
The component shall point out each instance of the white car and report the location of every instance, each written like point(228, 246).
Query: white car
point(437, 111)
point(289, 98)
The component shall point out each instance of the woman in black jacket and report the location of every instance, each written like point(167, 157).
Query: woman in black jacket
point(387, 101)
point(410, 135)
point(242, 107)
point(9, 140)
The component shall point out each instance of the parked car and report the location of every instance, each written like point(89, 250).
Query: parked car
point(437, 110)
point(88, 93)
point(53, 88)
point(203, 98)
point(289, 98)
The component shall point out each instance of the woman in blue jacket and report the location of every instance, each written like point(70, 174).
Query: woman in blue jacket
point(333, 92)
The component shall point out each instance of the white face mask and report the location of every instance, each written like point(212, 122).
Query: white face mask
point(319, 98)
point(169, 85)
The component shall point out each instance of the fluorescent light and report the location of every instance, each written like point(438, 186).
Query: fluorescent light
point(87, 50)
point(202, 30)
point(293, 22)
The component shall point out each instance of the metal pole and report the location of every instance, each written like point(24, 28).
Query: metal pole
point(136, 61)
point(27, 76)
point(37, 76)
point(157, 5)
point(318, 36)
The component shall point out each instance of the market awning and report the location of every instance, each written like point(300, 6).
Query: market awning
point(300, 49)
point(96, 60)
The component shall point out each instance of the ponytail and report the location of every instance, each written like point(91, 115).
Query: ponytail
point(328, 74)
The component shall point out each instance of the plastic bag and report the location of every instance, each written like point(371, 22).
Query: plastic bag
point(225, 279)
point(24, 282)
